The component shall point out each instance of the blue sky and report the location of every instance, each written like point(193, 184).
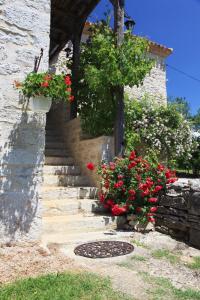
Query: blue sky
point(176, 24)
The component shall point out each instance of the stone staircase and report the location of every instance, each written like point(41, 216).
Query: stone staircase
point(71, 212)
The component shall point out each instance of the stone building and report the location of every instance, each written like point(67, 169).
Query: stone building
point(62, 184)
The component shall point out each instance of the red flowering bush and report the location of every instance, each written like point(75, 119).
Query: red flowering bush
point(90, 166)
point(58, 87)
point(131, 185)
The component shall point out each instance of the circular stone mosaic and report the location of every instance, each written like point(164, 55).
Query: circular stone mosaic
point(104, 249)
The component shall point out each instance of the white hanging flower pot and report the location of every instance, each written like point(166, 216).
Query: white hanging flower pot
point(40, 104)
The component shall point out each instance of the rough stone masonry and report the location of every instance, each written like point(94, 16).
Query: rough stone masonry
point(24, 30)
point(179, 211)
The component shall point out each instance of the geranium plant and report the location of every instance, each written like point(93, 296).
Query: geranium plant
point(57, 87)
point(131, 185)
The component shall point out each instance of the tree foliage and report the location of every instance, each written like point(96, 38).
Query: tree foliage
point(181, 105)
point(103, 68)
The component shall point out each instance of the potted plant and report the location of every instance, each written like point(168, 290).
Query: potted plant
point(40, 89)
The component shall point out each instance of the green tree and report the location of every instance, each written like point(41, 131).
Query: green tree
point(196, 119)
point(181, 105)
point(103, 68)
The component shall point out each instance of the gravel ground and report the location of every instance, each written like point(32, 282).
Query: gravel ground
point(30, 261)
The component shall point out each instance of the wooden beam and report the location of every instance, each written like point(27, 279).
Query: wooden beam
point(119, 92)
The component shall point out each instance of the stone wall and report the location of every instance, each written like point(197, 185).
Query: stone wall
point(24, 30)
point(179, 211)
point(85, 150)
point(154, 83)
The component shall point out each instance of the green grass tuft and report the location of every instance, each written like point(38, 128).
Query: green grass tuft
point(166, 254)
point(140, 244)
point(162, 289)
point(195, 264)
point(66, 286)
point(138, 258)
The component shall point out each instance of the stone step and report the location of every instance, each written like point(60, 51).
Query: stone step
point(69, 192)
point(60, 207)
point(77, 238)
point(61, 170)
point(65, 180)
point(70, 207)
point(56, 152)
point(91, 206)
point(59, 161)
point(54, 145)
point(77, 223)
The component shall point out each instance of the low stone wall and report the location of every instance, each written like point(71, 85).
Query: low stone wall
point(86, 150)
point(179, 211)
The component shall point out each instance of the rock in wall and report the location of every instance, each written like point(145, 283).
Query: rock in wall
point(24, 30)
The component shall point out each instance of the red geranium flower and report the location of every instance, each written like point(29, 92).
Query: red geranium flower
point(152, 200)
point(160, 167)
point(45, 84)
point(132, 192)
point(132, 155)
point(151, 219)
point(171, 180)
point(157, 188)
point(153, 209)
point(102, 198)
point(145, 193)
point(90, 166)
point(71, 98)
point(132, 165)
point(104, 166)
point(112, 166)
point(68, 80)
point(143, 186)
point(168, 174)
point(117, 210)
point(110, 202)
point(118, 184)
point(47, 77)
